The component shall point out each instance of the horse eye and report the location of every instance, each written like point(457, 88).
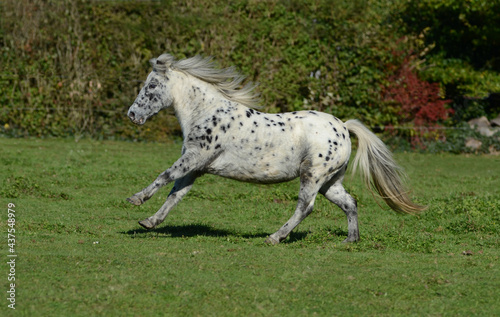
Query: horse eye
point(152, 86)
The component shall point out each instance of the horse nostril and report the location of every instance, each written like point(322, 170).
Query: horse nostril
point(131, 115)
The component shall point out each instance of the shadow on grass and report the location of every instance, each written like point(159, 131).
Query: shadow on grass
point(296, 236)
point(185, 231)
point(191, 231)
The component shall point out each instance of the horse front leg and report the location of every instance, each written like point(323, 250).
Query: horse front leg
point(182, 167)
point(148, 192)
point(180, 189)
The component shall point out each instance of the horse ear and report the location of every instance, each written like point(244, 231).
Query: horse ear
point(163, 65)
point(160, 65)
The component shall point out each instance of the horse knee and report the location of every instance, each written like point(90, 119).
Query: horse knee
point(342, 199)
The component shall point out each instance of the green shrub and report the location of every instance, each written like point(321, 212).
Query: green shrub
point(464, 45)
point(73, 67)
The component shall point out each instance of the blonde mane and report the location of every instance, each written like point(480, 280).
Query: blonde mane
point(226, 80)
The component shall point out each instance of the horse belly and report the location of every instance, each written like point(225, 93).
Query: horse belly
point(263, 169)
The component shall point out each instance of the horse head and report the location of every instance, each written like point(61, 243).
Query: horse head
point(155, 94)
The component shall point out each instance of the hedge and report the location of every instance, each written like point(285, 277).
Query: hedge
point(73, 67)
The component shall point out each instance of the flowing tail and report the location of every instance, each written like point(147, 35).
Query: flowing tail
point(379, 170)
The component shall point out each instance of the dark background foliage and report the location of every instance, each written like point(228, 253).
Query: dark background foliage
point(73, 67)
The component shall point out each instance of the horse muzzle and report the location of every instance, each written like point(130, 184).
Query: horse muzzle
point(136, 118)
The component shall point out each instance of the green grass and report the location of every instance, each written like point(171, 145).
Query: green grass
point(82, 253)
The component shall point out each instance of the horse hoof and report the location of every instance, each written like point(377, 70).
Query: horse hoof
point(271, 241)
point(134, 200)
point(146, 224)
point(350, 240)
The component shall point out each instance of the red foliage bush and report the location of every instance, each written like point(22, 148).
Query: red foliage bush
point(421, 105)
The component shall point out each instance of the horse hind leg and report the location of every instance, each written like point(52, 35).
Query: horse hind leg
point(305, 206)
point(337, 194)
point(307, 195)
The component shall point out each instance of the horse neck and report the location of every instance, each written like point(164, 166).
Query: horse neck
point(194, 98)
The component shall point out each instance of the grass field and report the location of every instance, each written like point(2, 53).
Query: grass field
point(80, 251)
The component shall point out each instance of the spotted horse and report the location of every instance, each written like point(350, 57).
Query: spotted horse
point(223, 135)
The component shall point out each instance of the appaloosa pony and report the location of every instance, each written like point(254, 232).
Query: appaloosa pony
point(224, 136)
